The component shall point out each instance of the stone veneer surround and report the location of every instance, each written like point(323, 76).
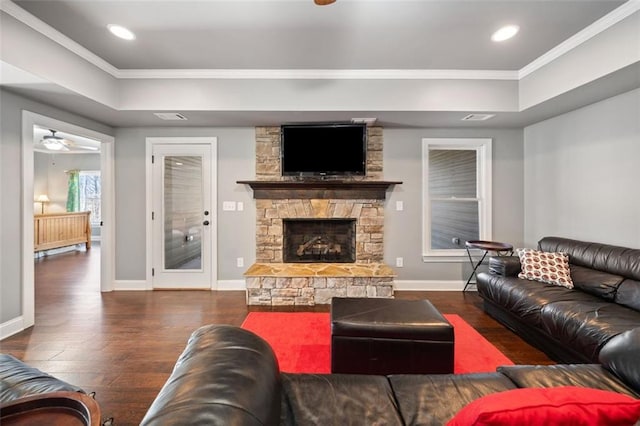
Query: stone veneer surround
point(266, 287)
point(369, 225)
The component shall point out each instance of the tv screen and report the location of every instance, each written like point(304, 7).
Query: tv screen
point(324, 149)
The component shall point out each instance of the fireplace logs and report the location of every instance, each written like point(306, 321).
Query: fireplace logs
point(319, 240)
point(316, 245)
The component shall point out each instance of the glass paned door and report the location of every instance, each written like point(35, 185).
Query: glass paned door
point(181, 216)
point(182, 212)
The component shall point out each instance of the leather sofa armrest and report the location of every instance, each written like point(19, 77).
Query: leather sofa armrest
point(18, 380)
point(620, 355)
point(506, 266)
point(225, 376)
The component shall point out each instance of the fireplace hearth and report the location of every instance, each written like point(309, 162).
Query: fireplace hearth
point(319, 240)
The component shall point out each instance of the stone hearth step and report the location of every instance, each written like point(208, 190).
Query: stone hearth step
point(280, 284)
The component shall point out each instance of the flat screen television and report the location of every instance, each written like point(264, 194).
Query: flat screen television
point(323, 149)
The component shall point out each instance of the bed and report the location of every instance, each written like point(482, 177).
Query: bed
point(55, 230)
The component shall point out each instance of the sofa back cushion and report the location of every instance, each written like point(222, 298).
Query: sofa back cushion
point(338, 399)
point(628, 294)
point(614, 260)
point(585, 375)
point(598, 283)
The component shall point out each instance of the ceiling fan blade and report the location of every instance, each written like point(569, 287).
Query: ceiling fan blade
point(88, 148)
point(323, 2)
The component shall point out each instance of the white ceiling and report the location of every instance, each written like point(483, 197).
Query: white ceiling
point(296, 35)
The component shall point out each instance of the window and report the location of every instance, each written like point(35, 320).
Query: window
point(89, 189)
point(456, 182)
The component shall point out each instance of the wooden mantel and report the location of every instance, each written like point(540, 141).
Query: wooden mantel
point(319, 189)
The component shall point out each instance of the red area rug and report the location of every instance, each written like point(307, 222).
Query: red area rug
point(301, 341)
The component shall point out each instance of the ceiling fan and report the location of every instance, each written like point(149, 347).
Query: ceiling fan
point(323, 2)
point(54, 142)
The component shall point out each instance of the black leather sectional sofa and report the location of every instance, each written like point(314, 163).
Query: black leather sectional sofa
point(570, 325)
point(230, 376)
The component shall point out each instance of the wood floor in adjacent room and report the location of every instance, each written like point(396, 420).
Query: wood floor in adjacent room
point(123, 345)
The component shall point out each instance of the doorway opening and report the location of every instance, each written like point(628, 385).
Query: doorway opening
point(45, 192)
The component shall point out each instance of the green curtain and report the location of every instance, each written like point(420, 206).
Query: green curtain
point(73, 193)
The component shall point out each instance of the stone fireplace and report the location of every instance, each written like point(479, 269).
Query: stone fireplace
point(317, 238)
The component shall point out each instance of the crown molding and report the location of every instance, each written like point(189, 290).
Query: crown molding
point(317, 74)
point(48, 31)
point(602, 24)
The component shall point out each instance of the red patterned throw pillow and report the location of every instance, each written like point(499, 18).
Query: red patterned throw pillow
point(551, 268)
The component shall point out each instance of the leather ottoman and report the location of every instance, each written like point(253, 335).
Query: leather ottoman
point(389, 336)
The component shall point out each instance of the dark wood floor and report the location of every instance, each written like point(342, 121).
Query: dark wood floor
point(123, 345)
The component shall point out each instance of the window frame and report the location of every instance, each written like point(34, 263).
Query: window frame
point(482, 146)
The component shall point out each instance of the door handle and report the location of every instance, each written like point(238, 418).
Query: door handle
point(205, 223)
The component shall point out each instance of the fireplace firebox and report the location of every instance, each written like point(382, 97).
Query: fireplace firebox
point(319, 240)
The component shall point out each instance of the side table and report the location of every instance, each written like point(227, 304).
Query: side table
point(501, 249)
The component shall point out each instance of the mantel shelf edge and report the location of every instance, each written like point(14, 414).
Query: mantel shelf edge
point(319, 189)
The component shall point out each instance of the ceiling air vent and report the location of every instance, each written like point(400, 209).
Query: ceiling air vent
point(170, 116)
point(478, 117)
point(367, 121)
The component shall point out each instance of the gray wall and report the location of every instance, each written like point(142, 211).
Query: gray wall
point(236, 230)
point(403, 229)
point(50, 177)
point(11, 216)
point(582, 171)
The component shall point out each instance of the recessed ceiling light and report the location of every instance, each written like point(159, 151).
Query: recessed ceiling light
point(122, 32)
point(505, 33)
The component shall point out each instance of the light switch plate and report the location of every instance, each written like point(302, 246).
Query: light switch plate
point(399, 206)
point(229, 206)
point(240, 205)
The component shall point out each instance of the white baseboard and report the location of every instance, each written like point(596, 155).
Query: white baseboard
point(430, 285)
point(59, 250)
point(227, 285)
point(141, 285)
point(234, 285)
point(11, 327)
point(131, 285)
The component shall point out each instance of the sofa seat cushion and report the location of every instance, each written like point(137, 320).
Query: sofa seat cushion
point(525, 298)
point(338, 399)
point(587, 325)
point(435, 399)
point(583, 375)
